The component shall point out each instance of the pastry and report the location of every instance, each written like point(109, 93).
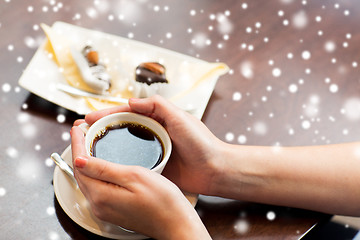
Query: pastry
point(92, 71)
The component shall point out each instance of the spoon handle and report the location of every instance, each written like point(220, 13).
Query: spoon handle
point(63, 166)
point(81, 93)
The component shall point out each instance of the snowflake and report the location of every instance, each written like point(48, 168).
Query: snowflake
point(229, 137)
point(242, 139)
point(291, 131)
point(224, 26)
point(12, 152)
point(311, 109)
point(65, 136)
point(28, 130)
point(300, 19)
point(168, 35)
point(329, 46)
point(92, 13)
point(306, 124)
point(2, 191)
point(236, 96)
point(306, 55)
point(129, 11)
point(260, 128)
point(246, 69)
point(352, 109)
point(293, 88)
point(271, 216)
point(30, 9)
point(333, 88)
point(287, 1)
point(61, 118)
point(241, 226)
point(53, 235)
point(276, 72)
point(49, 162)
point(28, 170)
point(50, 210)
point(6, 87)
point(200, 40)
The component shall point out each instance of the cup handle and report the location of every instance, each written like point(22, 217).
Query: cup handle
point(84, 127)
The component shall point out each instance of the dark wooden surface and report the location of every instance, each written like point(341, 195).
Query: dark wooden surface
point(315, 99)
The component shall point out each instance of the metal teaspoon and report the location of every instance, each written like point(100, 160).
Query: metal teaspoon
point(64, 166)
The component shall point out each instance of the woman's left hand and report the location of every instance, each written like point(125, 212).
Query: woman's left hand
point(134, 197)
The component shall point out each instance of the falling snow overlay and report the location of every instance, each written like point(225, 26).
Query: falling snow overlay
point(294, 80)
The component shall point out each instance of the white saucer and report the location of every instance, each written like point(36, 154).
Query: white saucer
point(74, 204)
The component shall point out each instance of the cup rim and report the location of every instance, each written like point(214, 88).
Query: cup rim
point(139, 119)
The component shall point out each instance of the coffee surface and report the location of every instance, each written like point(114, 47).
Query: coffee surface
point(129, 144)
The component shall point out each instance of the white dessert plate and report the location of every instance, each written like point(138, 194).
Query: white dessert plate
point(74, 204)
point(192, 80)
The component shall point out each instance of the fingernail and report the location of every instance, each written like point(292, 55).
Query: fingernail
point(80, 162)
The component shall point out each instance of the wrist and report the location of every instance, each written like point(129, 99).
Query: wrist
point(185, 224)
point(192, 229)
point(218, 163)
point(233, 171)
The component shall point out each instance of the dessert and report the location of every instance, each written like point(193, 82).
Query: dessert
point(151, 72)
point(149, 78)
point(92, 71)
point(189, 78)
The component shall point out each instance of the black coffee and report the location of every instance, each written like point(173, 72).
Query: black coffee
point(129, 144)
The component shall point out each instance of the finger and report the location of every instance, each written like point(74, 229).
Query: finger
point(86, 184)
point(92, 117)
point(95, 173)
point(156, 107)
point(154, 104)
point(109, 172)
point(78, 122)
point(95, 189)
point(98, 168)
point(77, 143)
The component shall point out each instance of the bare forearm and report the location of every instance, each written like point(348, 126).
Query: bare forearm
point(321, 178)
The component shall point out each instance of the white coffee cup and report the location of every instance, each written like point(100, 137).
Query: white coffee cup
point(126, 117)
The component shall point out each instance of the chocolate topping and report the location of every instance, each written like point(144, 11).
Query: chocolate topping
point(151, 72)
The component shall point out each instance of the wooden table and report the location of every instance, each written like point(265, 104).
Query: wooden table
point(294, 80)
